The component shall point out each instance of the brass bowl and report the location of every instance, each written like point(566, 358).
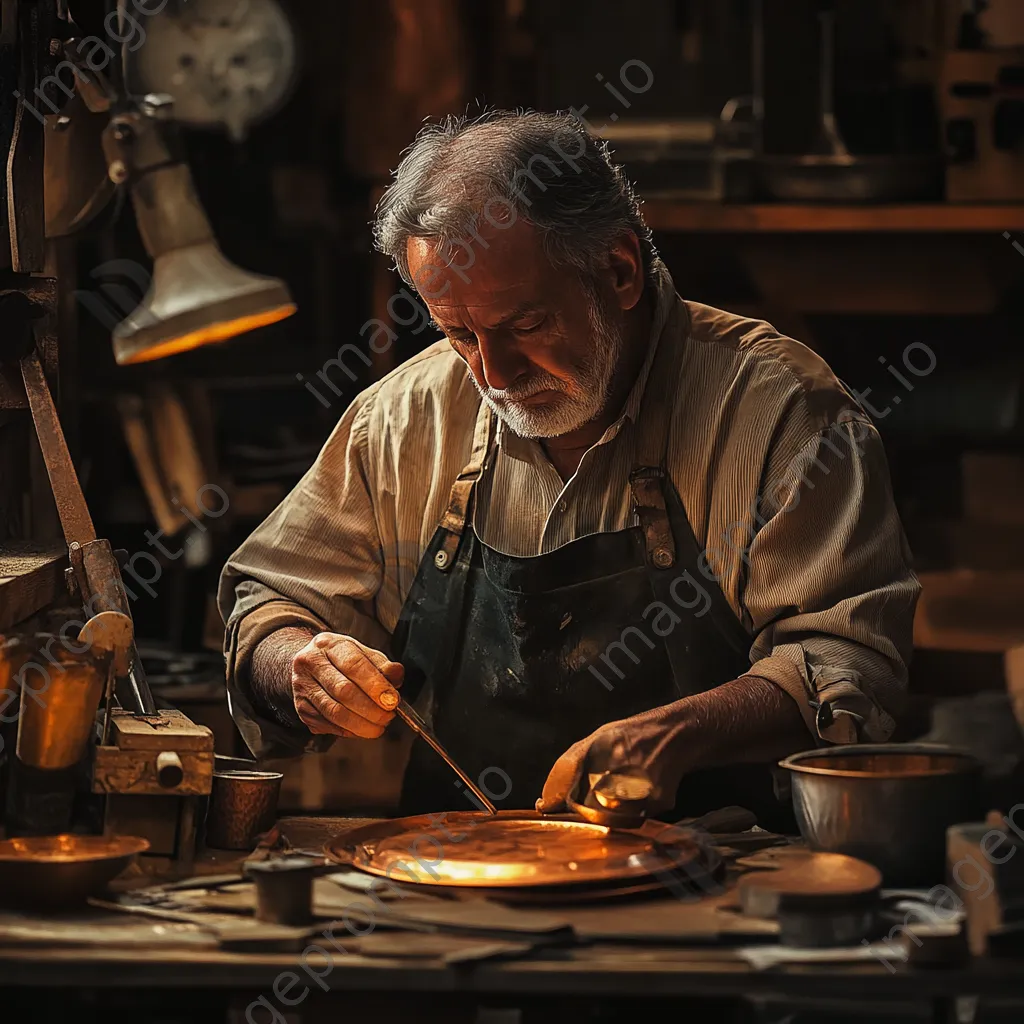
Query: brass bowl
point(51, 872)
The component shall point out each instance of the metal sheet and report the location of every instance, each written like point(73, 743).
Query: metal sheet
point(512, 849)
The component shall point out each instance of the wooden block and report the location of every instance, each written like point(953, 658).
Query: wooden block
point(993, 488)
point(135, 772)
point(30, 579)
point(172, 731)
point(970, 610)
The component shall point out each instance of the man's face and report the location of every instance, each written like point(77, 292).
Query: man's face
point(540, 346)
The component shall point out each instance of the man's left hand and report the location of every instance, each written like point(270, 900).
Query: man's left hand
point(650, 740)
point(747, 720)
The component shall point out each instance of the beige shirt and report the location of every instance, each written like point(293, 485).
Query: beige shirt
point(782, 476)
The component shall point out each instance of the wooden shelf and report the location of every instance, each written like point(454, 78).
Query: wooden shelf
point(30, 579)
point(739, 218)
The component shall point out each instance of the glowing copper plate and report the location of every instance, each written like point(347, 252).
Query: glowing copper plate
point(514, 848)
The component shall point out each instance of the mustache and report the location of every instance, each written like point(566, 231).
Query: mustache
point(518, 391)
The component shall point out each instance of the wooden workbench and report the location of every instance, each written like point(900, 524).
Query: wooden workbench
point(603, 971)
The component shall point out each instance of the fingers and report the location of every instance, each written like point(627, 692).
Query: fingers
point(372, 673)
point(562, 778)
point(391, 670)
point(318, 713)
point(337, 685)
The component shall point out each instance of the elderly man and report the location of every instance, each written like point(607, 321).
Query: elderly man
point(593, 517)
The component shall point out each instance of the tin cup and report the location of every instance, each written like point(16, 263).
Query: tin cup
point(243, 804)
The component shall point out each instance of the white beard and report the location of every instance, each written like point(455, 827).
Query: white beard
point(581, 399)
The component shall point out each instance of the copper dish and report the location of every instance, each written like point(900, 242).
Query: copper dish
point(513, 849)
point(48, 872)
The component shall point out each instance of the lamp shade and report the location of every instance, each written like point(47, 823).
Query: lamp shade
point(197, 297)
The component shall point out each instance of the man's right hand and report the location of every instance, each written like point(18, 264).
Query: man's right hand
point(337, 684)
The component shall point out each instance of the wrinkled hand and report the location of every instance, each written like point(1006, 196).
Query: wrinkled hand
point(650, 741)
point(337, 684)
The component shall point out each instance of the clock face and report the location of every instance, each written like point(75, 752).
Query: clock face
point(225, 63)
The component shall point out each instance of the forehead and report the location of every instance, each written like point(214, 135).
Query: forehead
point(490, 270)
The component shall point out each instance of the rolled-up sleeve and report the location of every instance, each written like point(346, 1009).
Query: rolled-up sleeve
point(829, 589)
point(315, 562)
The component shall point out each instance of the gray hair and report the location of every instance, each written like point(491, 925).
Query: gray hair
point(503, 165)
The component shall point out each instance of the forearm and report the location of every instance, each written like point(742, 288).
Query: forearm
point(746, 720)
point(270, 674)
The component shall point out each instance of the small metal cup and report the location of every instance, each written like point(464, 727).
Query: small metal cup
point(284, 889)
point(243, 804)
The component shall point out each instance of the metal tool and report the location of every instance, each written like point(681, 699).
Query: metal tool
point(407, 714)
point(94, 571)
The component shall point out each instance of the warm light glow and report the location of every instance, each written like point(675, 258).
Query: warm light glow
point(210, 334)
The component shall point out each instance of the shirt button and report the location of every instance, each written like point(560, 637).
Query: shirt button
point(563, 505)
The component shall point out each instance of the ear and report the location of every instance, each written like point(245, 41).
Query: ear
point(626, 270)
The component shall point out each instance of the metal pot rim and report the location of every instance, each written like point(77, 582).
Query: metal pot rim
point(246, 775)
point(969, 763)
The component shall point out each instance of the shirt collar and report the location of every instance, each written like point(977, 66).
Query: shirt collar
point(664, 299)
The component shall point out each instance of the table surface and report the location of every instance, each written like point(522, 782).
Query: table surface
point(605, 968)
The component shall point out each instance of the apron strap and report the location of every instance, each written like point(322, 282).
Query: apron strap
point(460, 503)
point(647, 481)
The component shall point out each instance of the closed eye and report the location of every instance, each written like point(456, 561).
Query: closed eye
point(530, 329)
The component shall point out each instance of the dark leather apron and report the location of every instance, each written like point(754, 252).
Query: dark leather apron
point(525, 656)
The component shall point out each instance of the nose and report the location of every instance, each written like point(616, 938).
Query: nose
point(500, 363)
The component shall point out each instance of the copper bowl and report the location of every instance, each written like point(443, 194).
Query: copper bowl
point(53, 872)
point(888, 803)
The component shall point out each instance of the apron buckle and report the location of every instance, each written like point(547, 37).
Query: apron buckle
point(647, 484)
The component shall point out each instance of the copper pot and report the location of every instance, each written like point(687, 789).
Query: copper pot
point(888, 803)
point(243, 804)
point(61, 692)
